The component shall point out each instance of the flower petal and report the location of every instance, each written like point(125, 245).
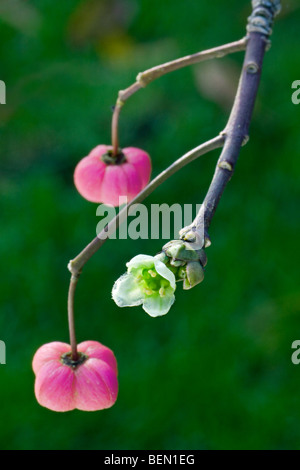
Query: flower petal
point(114, 185)
point(49, 352)
point(93, 349)
point(54, 387)
point(126, 291)
point(99, 151)
point(96, 386)
point(165, 272)
point(88, 176)
point(141, 161)
point(141, 261)
point(156, 306)
point(134, 181)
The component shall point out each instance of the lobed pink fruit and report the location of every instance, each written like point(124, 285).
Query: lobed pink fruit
point(62, 386)
point(99, 181)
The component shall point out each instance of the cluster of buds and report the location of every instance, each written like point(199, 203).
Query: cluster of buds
point(186, 262)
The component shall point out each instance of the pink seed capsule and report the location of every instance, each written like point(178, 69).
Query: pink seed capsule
point(100, 177)
point(88, 384)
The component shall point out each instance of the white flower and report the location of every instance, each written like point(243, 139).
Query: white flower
point(148, 282)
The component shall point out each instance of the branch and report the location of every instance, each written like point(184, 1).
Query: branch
point(237, 128)
point(233, 137)
point(148, 76)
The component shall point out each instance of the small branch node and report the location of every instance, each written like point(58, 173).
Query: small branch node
point(74, 271)
point(143, 80)
point(224, 165)
point(120, 102)
point(252, 67)
point(70, 268)
point(245, 140)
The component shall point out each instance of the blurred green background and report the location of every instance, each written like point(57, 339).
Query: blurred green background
point(216, 372)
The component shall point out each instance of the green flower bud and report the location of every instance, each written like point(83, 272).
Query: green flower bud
point(180, 250)
point(177, 263)
point(194, 274)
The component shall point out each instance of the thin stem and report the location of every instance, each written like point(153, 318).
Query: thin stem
point(215, 53)
point(76, 265)
point(72, 287)
point(114, 129)
point(148, 76)
point(122, 97)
